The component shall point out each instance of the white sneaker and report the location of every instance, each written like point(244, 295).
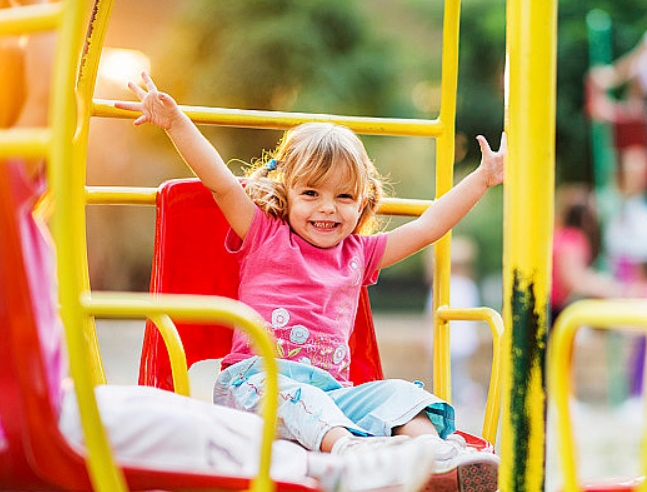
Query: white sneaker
point(390, 464)
point(359, 444)
point(459, 468)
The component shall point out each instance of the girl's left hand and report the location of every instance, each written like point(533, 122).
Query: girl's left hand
point(492, 163)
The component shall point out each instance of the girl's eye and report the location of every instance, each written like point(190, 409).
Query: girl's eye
point(310, 193)
point(346, 196)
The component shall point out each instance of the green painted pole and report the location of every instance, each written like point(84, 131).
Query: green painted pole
point(531, 49)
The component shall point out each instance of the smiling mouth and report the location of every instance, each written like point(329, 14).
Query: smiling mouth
point(327, 225)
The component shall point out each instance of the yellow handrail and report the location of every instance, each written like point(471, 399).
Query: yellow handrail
point(204, 309)
point(176, 353)
point(602, 314)
point(495, 322)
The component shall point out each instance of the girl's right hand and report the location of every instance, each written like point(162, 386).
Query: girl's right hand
point(157, 108)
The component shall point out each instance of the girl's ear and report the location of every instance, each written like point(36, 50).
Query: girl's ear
point(363, 203)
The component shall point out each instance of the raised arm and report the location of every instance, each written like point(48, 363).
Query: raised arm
point(449, 209)
point(161, 110)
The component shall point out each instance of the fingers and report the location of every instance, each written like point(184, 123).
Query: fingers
point(484, 145)
point(130, 106)
point(150, 85)
point(139, 92)
point(141, 120)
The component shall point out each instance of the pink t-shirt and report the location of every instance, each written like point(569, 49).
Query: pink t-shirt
point(308, 296)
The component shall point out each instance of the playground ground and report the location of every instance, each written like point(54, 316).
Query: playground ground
point(608, 436)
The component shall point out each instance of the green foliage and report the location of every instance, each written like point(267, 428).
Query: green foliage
point(289, 55)
point(573, 132)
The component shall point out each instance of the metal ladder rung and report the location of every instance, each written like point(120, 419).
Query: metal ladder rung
point(25, 142)
point(278, 120)
point(31, 18)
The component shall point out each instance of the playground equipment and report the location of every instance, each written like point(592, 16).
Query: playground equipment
point(64, 145)
point(530, 124)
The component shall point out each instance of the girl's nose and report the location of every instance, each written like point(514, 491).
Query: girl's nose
point(327, 206)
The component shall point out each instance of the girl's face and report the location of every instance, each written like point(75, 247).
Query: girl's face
point(325, 213)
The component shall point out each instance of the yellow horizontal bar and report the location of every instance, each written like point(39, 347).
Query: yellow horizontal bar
point(607, 313)
point(406, 207)
point(24, 142)
point(30, 18)
point(278, 120)
point(199, 309)
point(120, 195)
point(470, 314)
point(130, 195)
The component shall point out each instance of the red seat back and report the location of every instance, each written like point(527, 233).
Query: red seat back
point(190, 258)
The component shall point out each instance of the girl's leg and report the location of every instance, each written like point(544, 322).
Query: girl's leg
point(306, 413)
point(417, 426)
point(332, 436)
point(395, 407)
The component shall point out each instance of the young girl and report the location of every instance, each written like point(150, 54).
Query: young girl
point(296, 230)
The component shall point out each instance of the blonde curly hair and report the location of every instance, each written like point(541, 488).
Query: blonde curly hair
point(309, 152)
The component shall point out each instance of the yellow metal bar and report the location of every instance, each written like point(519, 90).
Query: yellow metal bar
point(130, 195)
point(31, 18)
point(88, 62)
point(404, 207)
point(444, 182)
point(120, 195)
point(205, 309)
point(24, 142)
point(278, 120)
point(176, 353)
point(495, 322)
point(603, 314)
point(528, 190)
point(67, 186)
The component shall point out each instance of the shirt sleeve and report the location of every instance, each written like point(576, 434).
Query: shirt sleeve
point(374, 247)
point(235, 245)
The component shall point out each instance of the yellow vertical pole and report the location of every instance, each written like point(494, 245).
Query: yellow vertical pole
point(529, 190)
point(86, 80)
point(67, 184)
point(444, 182)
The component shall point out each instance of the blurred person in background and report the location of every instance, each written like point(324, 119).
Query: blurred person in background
point(625, 213)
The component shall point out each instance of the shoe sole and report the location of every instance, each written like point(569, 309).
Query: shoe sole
point(466, 477)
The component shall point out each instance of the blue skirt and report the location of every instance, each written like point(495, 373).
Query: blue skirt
point(311, 401)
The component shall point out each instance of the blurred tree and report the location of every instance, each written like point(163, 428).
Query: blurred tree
point(289, 55)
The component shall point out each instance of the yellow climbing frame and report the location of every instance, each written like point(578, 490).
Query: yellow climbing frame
point(530, 123)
